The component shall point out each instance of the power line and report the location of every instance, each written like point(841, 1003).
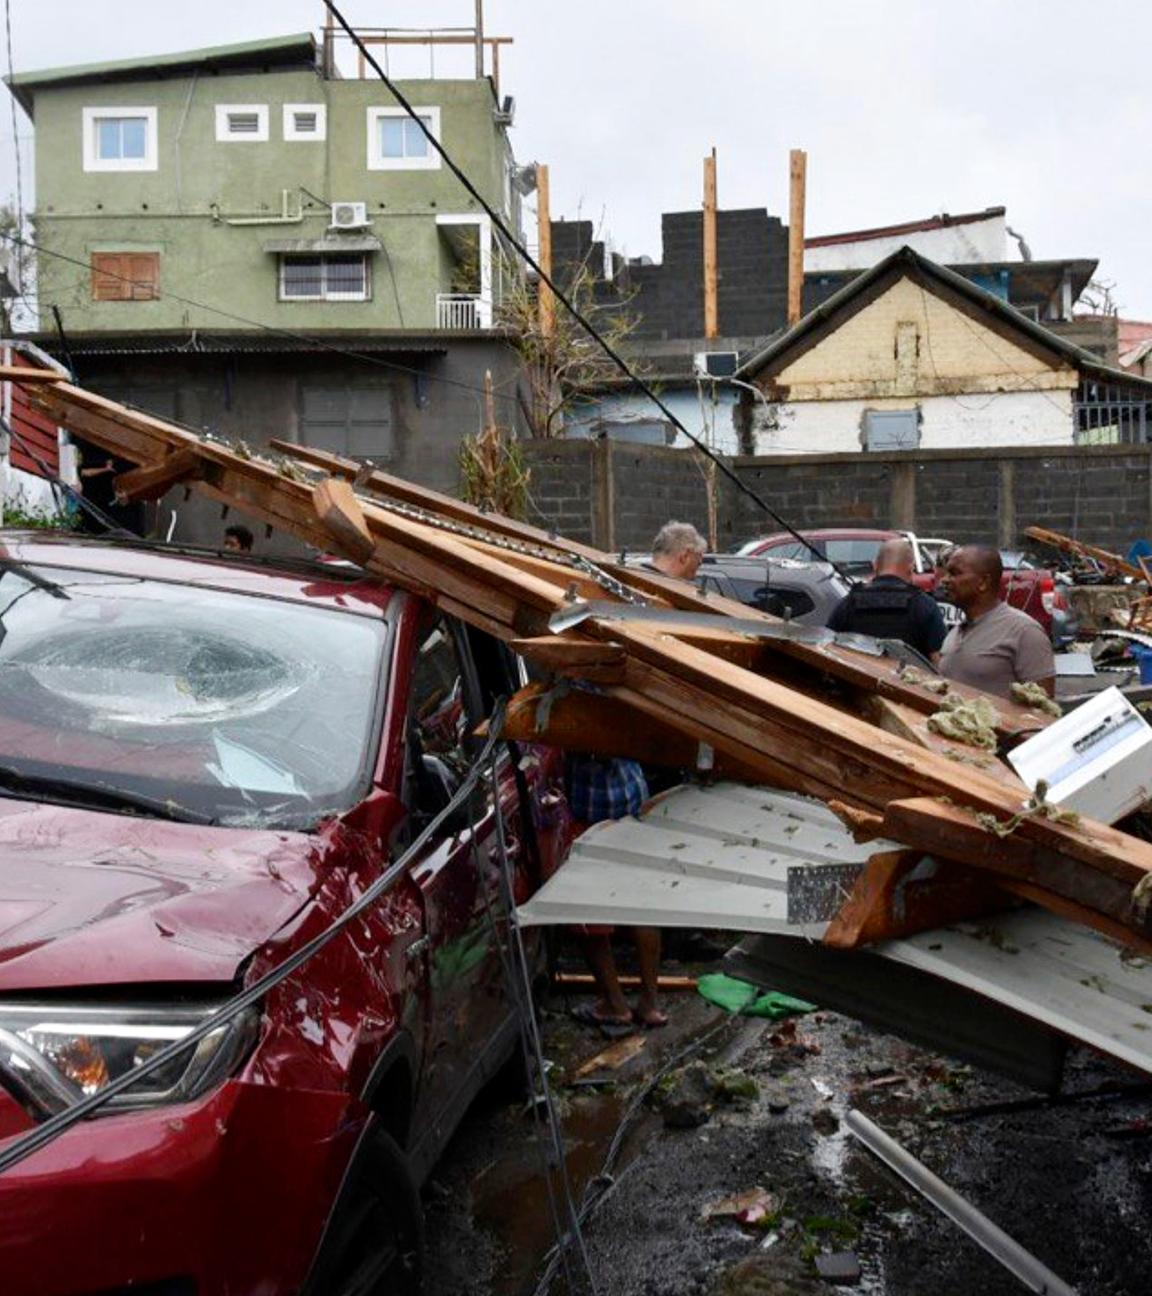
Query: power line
point(545, 279)
point(15, 132)
point(273, 329)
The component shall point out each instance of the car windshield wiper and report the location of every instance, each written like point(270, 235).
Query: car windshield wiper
point(75, 791)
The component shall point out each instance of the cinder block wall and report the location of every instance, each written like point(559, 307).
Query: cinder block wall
point(617, 495)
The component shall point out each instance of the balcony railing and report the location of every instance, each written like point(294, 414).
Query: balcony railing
point(462, 311)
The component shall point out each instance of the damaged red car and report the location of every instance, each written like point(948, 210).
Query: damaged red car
point(203, 763)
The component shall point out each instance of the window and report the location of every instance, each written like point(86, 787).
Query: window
point(125, 276)
point(242, 122)
point(305, 121)
point(891, 429)
point(119, 139)
point(355, 422)
point(396, 142)
point(329, 276)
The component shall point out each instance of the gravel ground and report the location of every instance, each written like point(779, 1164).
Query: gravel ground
point(1071, 1182)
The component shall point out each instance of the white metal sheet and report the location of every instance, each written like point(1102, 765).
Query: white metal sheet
point(718, 857)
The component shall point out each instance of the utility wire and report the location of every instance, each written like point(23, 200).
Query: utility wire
point(25, 1145)
point(275, 330)
point(545, 279)
point(12, 105)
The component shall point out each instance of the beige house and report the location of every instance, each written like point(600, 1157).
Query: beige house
point(910, 355)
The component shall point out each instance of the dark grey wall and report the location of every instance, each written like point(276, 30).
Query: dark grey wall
point(668, 298)
point(434, 400)
point(618, 495)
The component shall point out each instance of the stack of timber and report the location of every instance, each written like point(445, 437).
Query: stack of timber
point(816, 718)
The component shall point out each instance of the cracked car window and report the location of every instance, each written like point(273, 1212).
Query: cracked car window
point(244, 710)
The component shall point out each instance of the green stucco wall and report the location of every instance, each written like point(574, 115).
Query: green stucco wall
point(182, 209)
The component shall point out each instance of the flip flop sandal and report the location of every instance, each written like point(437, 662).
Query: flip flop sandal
point(609, 1027)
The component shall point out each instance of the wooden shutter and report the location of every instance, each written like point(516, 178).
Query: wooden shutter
point(125, 276)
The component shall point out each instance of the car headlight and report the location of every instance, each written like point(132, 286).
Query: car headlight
point(51, 1055)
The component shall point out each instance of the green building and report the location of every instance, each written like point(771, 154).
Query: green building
point(235, 238)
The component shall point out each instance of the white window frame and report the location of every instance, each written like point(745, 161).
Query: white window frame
point(378, 162)
point(90, 117)
point(323, 295)
point(290, 131)
point(226, 136)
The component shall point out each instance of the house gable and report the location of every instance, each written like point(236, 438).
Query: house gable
point(914, 339)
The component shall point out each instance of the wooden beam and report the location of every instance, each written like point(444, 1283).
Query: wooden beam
point(154, 480)
point(23, 374)
point(586, 659)
point(340, 513)
point(1077, 549)
point(797, 180)
point(711, 290)
point(886, 903)
point(546, 299)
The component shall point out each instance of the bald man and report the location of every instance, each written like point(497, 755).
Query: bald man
point(890, 606)
point(997, 646)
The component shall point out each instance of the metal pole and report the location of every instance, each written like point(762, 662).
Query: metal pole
point(479, 40)
point(1035, 1276)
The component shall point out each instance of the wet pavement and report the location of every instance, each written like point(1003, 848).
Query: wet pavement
point(1072, 1182)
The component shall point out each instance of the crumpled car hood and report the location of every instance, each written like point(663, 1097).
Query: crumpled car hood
point(89, 898)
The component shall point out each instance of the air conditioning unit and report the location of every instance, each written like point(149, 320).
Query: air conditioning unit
point(715, 364)
point(349, 215)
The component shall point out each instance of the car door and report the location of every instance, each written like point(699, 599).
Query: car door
point(457, 876)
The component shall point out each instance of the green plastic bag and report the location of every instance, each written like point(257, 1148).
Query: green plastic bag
point(749, 1000)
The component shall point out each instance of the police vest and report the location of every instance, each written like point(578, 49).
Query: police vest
point(883, 611)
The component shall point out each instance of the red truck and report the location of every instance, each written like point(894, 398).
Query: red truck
point(853, 550)
point(203, 763)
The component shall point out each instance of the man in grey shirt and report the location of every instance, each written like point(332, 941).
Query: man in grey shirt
point(997, 645)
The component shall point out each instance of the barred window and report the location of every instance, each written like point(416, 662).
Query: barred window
point(325, 277)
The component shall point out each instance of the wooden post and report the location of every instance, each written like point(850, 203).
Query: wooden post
point(711, 304)
point(798, 171)
point(544, 221)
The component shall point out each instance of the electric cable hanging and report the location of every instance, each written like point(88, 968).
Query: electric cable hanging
point(26, 1144)
point(522, 251)
point(318, 343)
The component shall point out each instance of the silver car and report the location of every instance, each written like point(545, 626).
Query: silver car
point(805, 592)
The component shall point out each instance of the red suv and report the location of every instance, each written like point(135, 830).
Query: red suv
point(853, 550)
point(202, 764)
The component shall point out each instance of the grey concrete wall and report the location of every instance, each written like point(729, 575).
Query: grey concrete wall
point(1099, 494)
point(435, 400)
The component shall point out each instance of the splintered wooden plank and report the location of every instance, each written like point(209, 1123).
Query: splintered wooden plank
point(578, 720)
point(887, 902)
point(870, 674)
point(1077, 549)
point(154, 480)
point(586, 659)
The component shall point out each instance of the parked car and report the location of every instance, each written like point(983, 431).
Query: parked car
point(203, 762)
point(1024, 586)
point(806, 592)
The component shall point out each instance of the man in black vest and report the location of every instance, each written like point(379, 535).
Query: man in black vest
point(890, 606)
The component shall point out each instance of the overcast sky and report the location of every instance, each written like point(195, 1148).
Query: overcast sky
point(905, 108)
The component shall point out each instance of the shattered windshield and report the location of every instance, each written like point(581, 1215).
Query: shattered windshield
point(198, 703)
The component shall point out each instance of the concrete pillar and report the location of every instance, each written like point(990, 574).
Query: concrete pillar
point(603, 495)
point(902, 503)
point(1006, 512)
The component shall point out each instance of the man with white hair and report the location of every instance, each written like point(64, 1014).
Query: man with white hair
point(678, 550)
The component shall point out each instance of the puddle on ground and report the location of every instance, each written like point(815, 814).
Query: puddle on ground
point(510, 1199)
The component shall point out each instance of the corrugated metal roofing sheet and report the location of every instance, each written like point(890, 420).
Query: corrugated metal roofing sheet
point(708, 857)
